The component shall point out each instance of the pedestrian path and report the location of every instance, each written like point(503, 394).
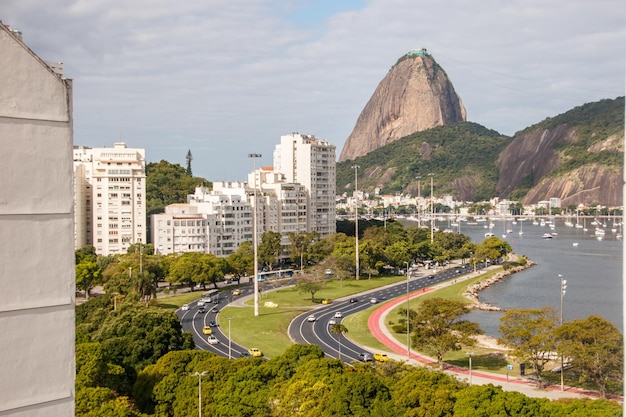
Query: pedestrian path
point(376, 324)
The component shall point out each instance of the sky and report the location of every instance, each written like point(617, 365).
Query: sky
point(226, 78)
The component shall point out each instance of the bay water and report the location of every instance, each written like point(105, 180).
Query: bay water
point(591, 267)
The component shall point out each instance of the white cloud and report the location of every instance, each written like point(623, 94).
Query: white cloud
point(225, 78)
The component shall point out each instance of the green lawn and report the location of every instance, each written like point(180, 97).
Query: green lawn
point(268, 331)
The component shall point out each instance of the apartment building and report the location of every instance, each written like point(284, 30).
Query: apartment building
point(37, 246)
point(214, 222)
point(110, 190)
point(309, 161)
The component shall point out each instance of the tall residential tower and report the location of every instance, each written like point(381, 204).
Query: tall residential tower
point(110, 193)
point(309, 161)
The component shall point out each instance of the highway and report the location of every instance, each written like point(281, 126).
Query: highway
point(302, 331)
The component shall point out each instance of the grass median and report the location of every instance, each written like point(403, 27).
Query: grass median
point(268, 330)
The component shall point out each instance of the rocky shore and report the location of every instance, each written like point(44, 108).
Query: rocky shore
point(472, 291)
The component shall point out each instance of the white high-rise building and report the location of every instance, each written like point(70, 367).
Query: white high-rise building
point(110, 195)
point(37, 365)
point(309, 161)
point(214, 222)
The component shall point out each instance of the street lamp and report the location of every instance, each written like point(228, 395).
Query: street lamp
point(199, 375)
point(229, 340)
point(470, 366)
point(563, 289)
point(408, 321)
point(356, 217)
point(432, 209)
point(254, 156)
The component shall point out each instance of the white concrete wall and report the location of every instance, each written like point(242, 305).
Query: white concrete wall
point(36, 236)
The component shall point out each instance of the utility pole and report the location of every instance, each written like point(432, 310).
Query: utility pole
point(356, 217)
point(254, 238)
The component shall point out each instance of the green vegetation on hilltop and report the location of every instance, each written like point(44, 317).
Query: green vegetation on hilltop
point(168, 183)
point(459, 150)
point(594, 122)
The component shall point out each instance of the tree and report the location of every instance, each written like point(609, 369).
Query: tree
point(594, 348)
point(188, 268)
point(310, 285)
point(437, 328)
point(241, 262)
point(88, 274)
point(338, 329)
point(189, 158)
point(530, 335)
point(269, 249)
point(492, 248)
point(300, 245)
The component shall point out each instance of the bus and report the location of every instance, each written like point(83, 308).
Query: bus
point(211, 295)
point(277, 274)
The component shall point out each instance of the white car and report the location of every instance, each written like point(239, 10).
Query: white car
point(311, 318)
point(212, 340)
point(332, 322)
point(373, 300)
point(338, 315)
point(185, 307)
point(201, 302)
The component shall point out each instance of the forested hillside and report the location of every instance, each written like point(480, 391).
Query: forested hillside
point(461, 156)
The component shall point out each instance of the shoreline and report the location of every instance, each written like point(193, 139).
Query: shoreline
point(472, 291)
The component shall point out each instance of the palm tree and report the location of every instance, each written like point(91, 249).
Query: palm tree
point(339, 329)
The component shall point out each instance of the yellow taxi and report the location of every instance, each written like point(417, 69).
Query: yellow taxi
point(381, 357)
point(207, 330)
point(326, 301)
point(255, 352)
point(236, 291)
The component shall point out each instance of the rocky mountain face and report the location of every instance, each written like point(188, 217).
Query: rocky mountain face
point(535, 156)
point(415, 95)
point(577, 156)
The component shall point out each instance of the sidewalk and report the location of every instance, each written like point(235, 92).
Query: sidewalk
point(376, 324)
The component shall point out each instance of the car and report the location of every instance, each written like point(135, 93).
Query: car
point(216, 300)
point(431, 276)
point(381, 357)
point(338, 315)
point(201, 302)
point(255, 352)
point(354, 300)
point(365, 357)
point(237, 291)
point(201, 309)
point(329, 272)
point(212, 323)
point(311, 318)
point(373, 300)
point(332, 322)
point(458, 271)
point(228, 281)
point(207, 330)
point(214, 310)
point(326, 301)
point(212, 340)
point(185, 307)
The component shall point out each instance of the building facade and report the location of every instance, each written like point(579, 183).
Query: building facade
point(37, 364)
point(110, 195)
point(309, 161)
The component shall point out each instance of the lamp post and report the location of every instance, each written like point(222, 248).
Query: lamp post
point(418, 201)
point(199, 375)
point(563, 289)
point(254, 156)
point(470, 366)
point(356, 217)
point(432, 209)
point(229, 340)
point(408, 321)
